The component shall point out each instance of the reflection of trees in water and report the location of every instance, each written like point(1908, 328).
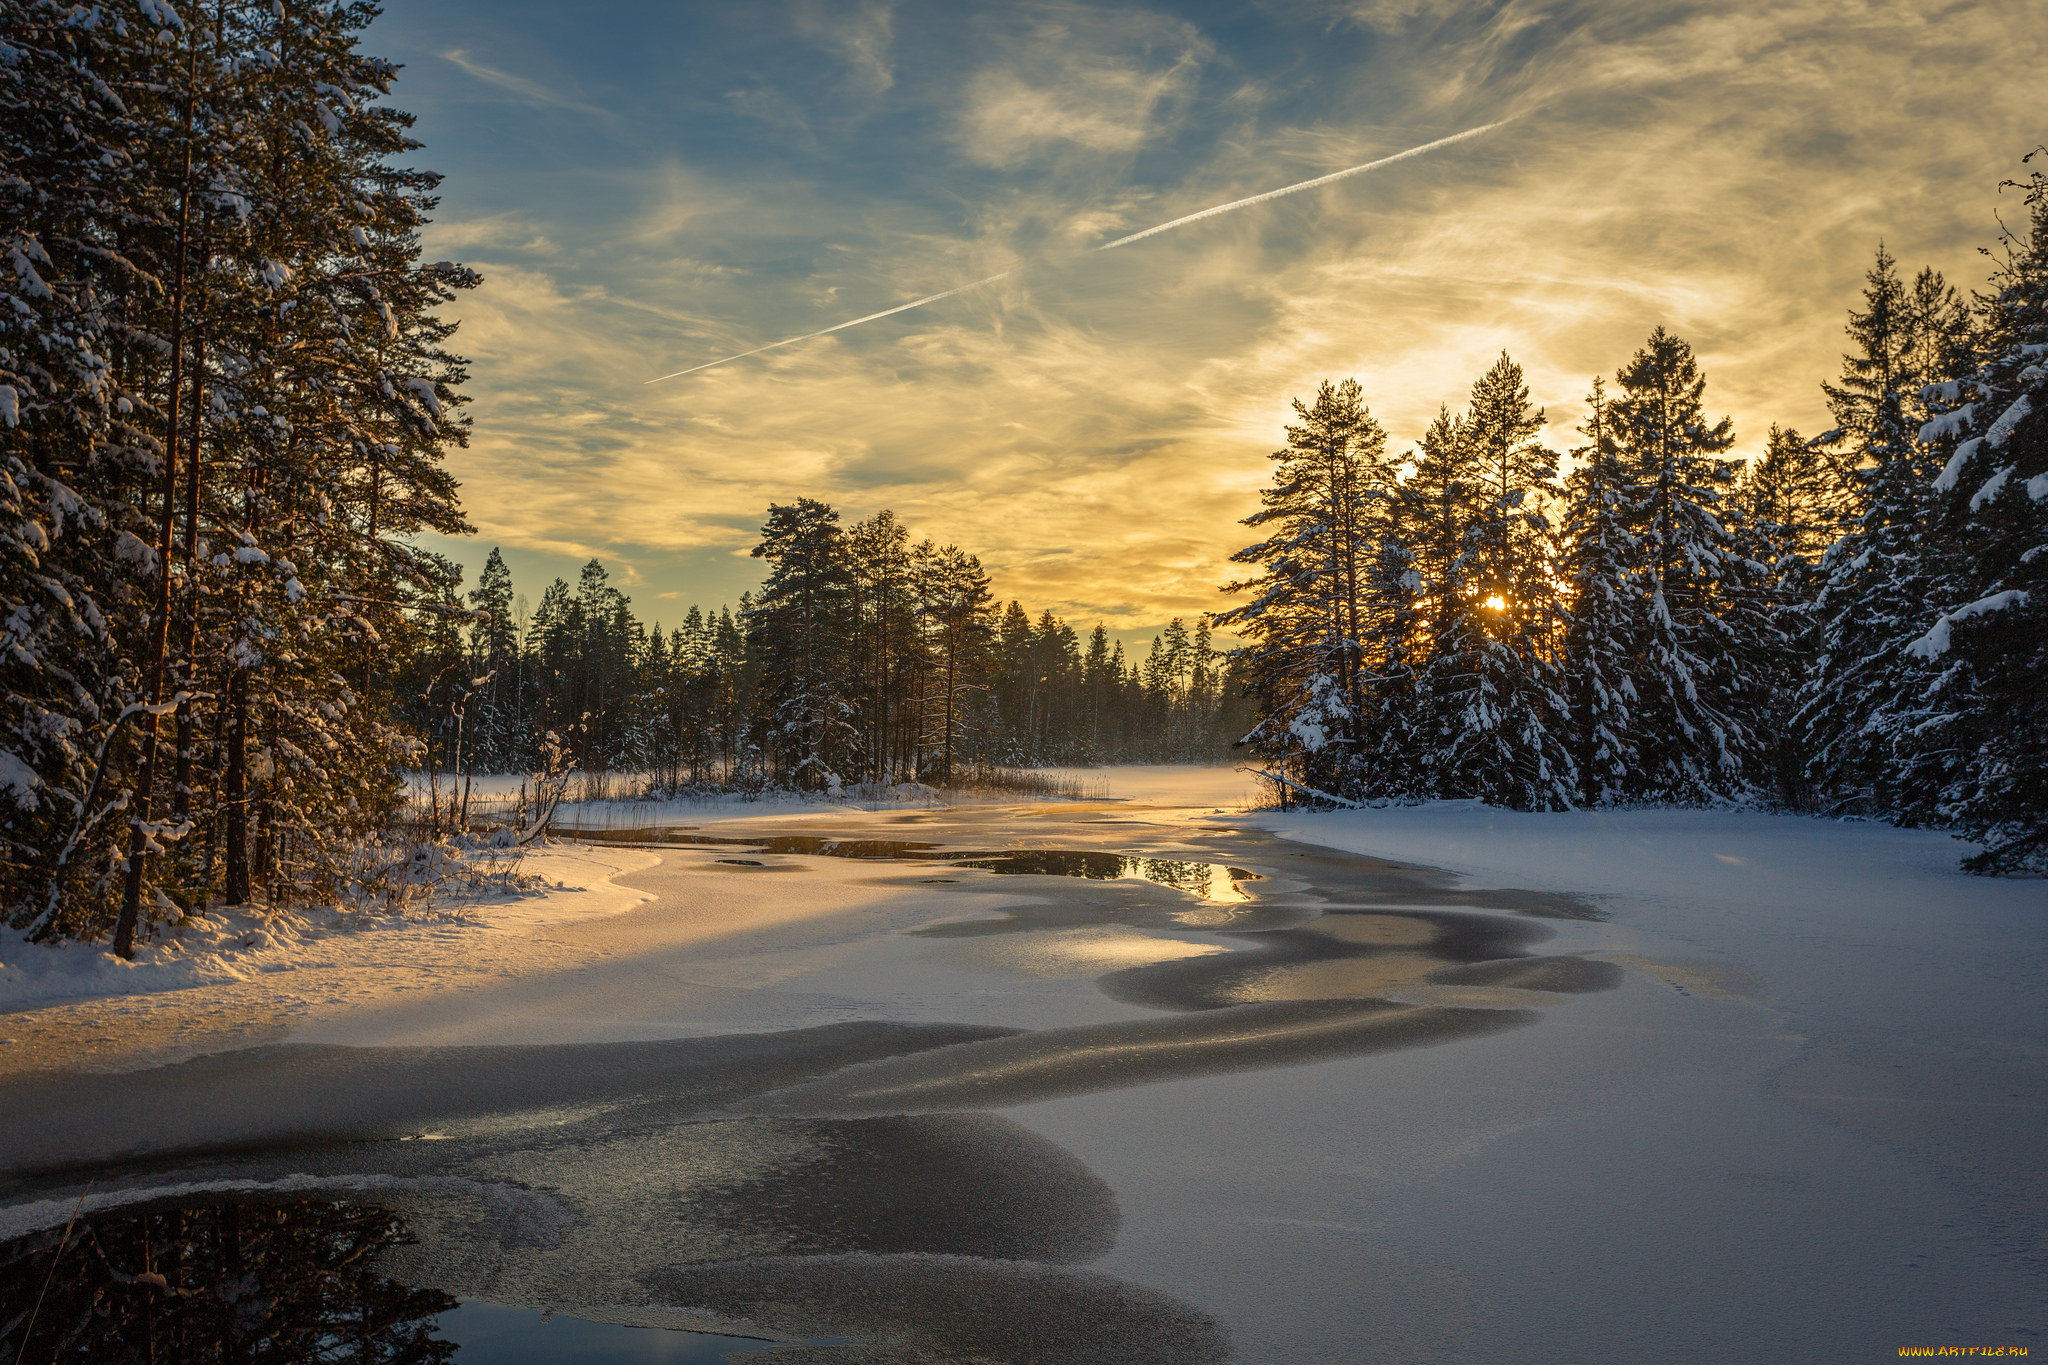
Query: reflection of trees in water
point(248, 1283)
point(1204, 879)
point(1174, 872)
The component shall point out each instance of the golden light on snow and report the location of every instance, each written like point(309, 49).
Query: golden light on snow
point(1082, 952)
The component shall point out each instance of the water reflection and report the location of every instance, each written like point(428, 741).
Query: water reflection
point(262, 1283)
point(1209, 881)
point(492, 1334)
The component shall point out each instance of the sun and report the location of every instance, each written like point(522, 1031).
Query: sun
point(1497, 602)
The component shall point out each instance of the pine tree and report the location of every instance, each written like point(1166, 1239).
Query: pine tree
point(75, 551)
point(1101, 734)
point(236, 258)
point(1394, 650)
point(1303, 625)
point(1607, 623)
point(1864, 695)
point(493, 654)
point(800, 630)
point(1691, 741)
point(1787, 511)
point(954, 603)
point(1984, 646)
point(1491, 710)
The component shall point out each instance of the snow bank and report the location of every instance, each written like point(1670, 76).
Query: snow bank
point(1182, 786)
point(224, 947)
point(1654, 856)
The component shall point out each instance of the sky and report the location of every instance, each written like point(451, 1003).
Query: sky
point(650, 186)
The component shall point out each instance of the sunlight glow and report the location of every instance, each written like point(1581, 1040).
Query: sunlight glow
point(1497, 602)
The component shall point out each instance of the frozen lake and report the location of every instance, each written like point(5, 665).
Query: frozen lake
point(1143, 1079)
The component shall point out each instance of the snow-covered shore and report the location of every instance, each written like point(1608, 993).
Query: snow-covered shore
point(224, 947)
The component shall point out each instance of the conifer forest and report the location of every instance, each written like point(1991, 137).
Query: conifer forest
point(228, 396)
point(1851, 623)
point(864, 658)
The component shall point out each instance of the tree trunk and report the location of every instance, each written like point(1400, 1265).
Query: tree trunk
point(181, 782)
point(160, 614)
point(234, 790)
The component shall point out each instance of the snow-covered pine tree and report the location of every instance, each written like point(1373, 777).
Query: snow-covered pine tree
point(801, 632)
point(1331, 485)
point(77, 453)
point(1394, 648)
point(1492, 712)
point(1607, 624)
point(1786, 511)
point(1436, 514)
point(1985, 641)
point(206, 219)
point(330, 451)
point(1691, 740)
point(1864, 694)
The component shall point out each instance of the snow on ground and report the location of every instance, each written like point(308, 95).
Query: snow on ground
point(1783, 896)
point(742, 952)
point(1659, 854)
point(1807, 1126)
point(1183, 786)
point(222, 947)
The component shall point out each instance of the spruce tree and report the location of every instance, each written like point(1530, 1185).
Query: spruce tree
point(1303, 626)
point(1864, 695)
point(1984, 643)
point(801, 634)
point(955, 606)
point(1493, 718)
point(1691, 739)
point(1607, 623)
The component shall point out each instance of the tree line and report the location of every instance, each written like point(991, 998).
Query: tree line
point(864, 657)
point(1853, 623)
point(225, 397)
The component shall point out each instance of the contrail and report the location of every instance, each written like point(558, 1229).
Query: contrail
point(1304, 185)
point(1111, 246)
point(837, 327)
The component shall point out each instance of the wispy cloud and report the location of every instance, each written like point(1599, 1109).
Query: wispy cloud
point(861, 35)
point(1725, 170)
point(1184, 220)
point(1078, 77)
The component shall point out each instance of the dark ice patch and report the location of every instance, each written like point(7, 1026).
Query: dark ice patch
point(952, 1184)
point(1563, 975)
point(1071, 1061)
point(925, 1310)
point(1258, 970)
point(294, 1093)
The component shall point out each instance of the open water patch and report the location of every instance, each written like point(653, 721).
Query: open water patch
point(921, 1310)
point(264, 1278)
point(495, 1334)
point(1215, 882)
